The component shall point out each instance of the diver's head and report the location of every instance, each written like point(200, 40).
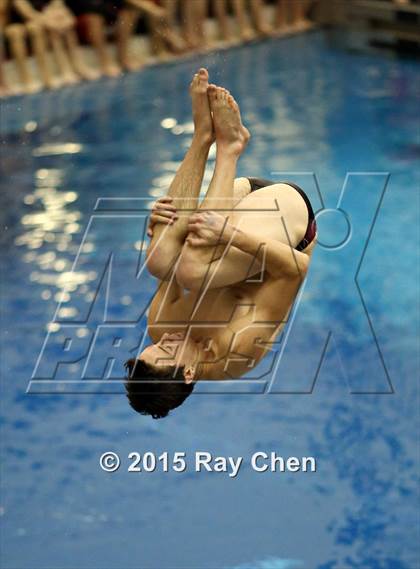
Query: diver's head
point(174, 350)
point(163, 375)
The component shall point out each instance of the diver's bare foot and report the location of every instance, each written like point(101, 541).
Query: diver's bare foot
point(203, 123)
point(231, 135)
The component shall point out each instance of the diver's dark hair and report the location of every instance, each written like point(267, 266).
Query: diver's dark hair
point(154, 392)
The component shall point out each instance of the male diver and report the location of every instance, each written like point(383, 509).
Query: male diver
point(229, 267)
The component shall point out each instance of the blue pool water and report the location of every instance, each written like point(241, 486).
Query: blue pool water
point(316, 113)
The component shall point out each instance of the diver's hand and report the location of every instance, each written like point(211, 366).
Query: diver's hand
point(163, 211)
point(208, 228)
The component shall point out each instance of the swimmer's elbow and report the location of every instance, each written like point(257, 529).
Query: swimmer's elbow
point(156, 269)
point(157, 264)
point(299, 266)
point(189, 275)
point(303, 264)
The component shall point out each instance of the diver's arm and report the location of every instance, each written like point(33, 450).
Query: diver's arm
point(209, 228)
point(277, 258)
point(167, 240)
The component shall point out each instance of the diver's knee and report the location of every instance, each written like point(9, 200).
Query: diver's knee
point(241, 188)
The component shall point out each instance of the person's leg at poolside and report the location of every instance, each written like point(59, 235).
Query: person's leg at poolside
point(189, 31)
point(124, 28)
point(96, 30)
point(64, 42)
point(76, 58)
point(160, 36)
point(5, 88)
point(16, 36)
point(157, 40)
point(171, 38)
point(167, 29)
point(201, 12)
point(280, 18)
point(220, 11)
point(167, 241)
point(258, 15)
point(297, 11)
point(170, 7)
point(39, 47)
point(245, 29)
point(61, 58)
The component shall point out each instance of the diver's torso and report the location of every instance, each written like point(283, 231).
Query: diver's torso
point(223, 312)
point(208, 315)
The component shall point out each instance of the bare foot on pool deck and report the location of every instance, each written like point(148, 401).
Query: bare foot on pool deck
point(265, 30)
point(70, 78)
point(111, 70)
point(231, 135)
point(5, 92)
point(203, 122)
point(131, 64)
point(247, 34)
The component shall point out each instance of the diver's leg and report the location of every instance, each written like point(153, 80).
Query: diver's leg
point(167, 240)
point(231, 139)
